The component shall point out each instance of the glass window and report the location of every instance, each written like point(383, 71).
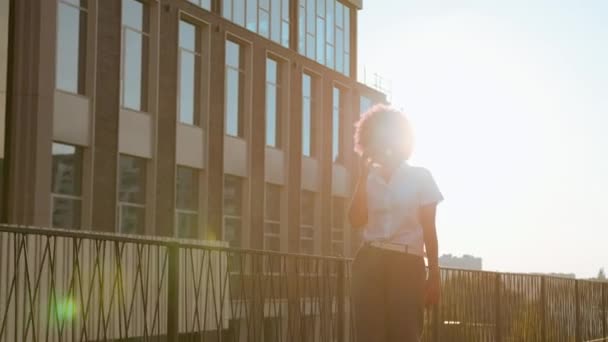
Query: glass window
point(187, 225)
point(336, 129)
point(66, 186)
point(272, 224)
point(189, 75)
point(325, 33)
point(234, 89)
point(365, 103)
point(238, 10)
point(268, 18)
point(227, 9)
point(187, 188)
point(302, 27)
point(132, 194)
point(273, 105)
point(135, 54)
point(275, 20)
point(339, 47)
point(285, 23)
point(307, 221)
point(71, 46)
point(233, 210)
point(252, 15)
point(264, 25)
point(320, 40)
point(307, 116)
point(206, 4)
point(337, 227)
point(187, 202)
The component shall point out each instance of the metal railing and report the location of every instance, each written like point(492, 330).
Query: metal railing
point(80, 286)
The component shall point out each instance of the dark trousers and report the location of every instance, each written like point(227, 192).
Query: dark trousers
point(388, 295)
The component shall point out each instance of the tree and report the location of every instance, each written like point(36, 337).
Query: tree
point(601, 274)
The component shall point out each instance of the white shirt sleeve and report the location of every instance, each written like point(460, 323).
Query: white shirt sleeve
point(429, 191)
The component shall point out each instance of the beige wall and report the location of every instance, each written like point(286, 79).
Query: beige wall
point(3, 57)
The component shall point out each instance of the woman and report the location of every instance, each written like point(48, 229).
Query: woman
point(395, 204)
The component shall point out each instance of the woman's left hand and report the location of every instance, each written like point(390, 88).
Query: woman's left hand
point(433, 288)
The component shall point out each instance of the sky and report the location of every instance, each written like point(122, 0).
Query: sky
point(509, 102)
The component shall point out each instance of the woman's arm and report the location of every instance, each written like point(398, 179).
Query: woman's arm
point(427, 219)
point(357, 213)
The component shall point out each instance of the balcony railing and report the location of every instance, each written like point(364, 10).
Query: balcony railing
point(80, 286)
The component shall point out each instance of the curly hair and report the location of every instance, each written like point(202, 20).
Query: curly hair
point(370, 126)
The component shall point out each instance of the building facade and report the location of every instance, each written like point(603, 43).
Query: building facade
point(208, 119)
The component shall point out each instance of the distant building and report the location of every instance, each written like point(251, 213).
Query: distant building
point(467, 262)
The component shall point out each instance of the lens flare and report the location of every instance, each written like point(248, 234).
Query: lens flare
point(66, 309)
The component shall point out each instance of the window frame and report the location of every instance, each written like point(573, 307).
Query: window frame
point(83, 37)
point(280, 98)
point(312, 19)
point(275, 33)
point(243, 92)
point(311, 227)
point(79, 197)
point(226, 216)
point(269, 220)
point(123, 204)
point(194, 210)
point(334, 228)
point(337, 142)
point(204, 4)
point(315, 122)
point(199, 72)
point(146, 53)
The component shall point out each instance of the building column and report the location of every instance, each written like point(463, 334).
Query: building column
point(257, 142)
point(215, 132)
point(294, 159)
point(29, 121)
point(326, 163)
point(167, 120)
point(107, 108)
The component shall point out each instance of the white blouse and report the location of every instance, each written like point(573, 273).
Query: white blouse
point(393, 207)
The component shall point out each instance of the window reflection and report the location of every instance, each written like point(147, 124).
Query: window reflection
point(268, 18)
point(206, 4)
point(189, 75)
point(365, 103)
point(273, 93)
point(337, 227)
point(135, 54)
point(132, 194)
point(307, 116)
point(307, 221)
point(336, 124)
point(324, 33)
point(66, 186)
point(233, 210)
point(71, 46)
point(234, 90)
point(187, 202)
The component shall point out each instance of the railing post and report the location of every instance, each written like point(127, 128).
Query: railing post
point(173, 293)
point(340, 294)
point(543, 308)
point(498, 308)
point(604, 307)
point(577, 321)
point(435, 322)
